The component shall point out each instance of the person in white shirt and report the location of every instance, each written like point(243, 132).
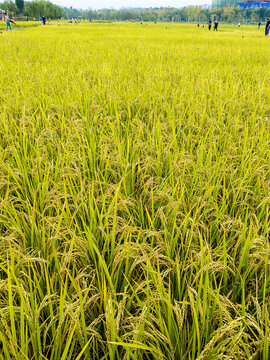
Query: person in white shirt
point(7, 20)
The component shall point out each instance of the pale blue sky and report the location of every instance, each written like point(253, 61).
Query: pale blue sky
point(98, 4)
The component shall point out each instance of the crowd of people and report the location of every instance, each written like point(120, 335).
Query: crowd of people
point(43, 20)
point(10, 21)
point(210, 23)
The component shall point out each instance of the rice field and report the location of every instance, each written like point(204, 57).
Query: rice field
point(19, 25)
point(134, 193)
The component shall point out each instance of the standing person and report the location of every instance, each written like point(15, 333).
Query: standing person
point(267, 26)
point(209, 24)
point(215, 25)
point(43, 20)
point(198, 25)
point(238, 24)
point(7, 20)
point(259, 25)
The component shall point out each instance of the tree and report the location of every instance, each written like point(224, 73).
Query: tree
point(37, 9)
point(20, 5)
point(8, 6)
point(255, 17)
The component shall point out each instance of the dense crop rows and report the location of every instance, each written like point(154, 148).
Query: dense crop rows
point(134, 193)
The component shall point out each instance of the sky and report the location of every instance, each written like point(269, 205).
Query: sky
point(117, 4)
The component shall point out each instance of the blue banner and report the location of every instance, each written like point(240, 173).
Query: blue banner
point(247, 5)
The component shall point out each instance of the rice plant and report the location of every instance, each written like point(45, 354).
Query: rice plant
point(134, 183)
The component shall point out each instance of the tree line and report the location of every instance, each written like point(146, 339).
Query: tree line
point(229, 14)
point(33, 9)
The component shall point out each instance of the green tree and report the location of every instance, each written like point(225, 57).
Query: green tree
point(9, 6)
point(255, 17)
point(20, 5)
point(37, 9)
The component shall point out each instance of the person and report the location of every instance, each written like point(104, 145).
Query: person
point(198, 25)
point(215, 25)
point(239, 24)
point(267, 26)
point(259, 25)
point(7, 20)
point(43, 20)
point(209, 24)
point(203, 26)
